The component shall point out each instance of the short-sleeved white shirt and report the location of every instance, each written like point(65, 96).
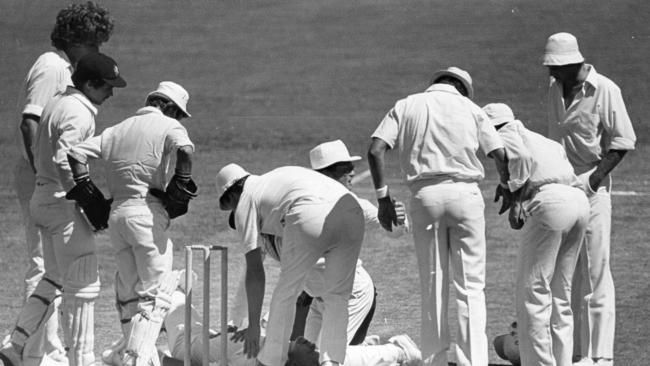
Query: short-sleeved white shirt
point(267, 198)
point(50, 75)
point(138, 151)
point(67, 120)
point(534, 158)
point(438, 133)
point(595, 122)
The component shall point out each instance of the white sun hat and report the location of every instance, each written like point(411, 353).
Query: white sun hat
point(227, 176)
point(173, 92)
point(499, 113)
point(329, 153)
point(460, 74)
point(562, 49)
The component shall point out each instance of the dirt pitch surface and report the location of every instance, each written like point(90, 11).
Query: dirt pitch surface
point(269, 80)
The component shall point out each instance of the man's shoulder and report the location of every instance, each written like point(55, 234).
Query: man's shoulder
point(602, 82)
point(49, 60)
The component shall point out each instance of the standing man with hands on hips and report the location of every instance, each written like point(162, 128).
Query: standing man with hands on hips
point(438, 133)
point(138, 152)
point(587, 115)
point(68, 241)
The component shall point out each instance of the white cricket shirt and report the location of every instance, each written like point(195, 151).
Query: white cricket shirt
point(67, 120)
point(438, 133)
point(138, 152)
point(595, 122)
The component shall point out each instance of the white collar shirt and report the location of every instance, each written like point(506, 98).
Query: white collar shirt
point(51, 74)
point(67, 120)
point(438, 133)
point(534, 158)
point(137, 151)
point(595, 122)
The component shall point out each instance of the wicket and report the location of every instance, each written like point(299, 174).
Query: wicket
point(206, 250)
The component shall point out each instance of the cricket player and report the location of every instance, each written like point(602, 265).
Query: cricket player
point(438, 133)
point(68, 241)
point(400, 349)
point(552, 211)
point(138, 152)
point(316, 217)
point(79, 30)
point(587, 115)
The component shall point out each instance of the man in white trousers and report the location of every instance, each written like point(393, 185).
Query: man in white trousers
point(438, 133)
point(79, 30)
point(68, 241)
point(138, 152)
point(552, 211)
point(400, 349)
point(587, 115)
point(316, 217)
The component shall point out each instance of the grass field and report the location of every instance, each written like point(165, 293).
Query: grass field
point(269, 80)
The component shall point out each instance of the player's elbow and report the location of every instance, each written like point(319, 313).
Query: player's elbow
point(377, 149)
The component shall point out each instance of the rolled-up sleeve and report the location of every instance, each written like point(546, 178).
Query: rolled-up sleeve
point(177, 137)
point(488, 138)
point(388, 128)
point(617, 123)
point(520, 160)
point(40, 87)
point(246, 221)
point(89, 149)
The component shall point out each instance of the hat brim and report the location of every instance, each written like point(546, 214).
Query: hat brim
point(329, 163)
point(118, 82)
point(501, 120)
point(551, 59)
point(438, 74)
point(187, 114)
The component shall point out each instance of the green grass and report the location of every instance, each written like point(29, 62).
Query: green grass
point(269, 80)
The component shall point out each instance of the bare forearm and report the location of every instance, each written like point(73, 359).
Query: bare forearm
point(79, 169)
point(28, 128)
point(184, 161)
point(255, 287)
point(376, 162)
point(606, 165)
point(501, 162)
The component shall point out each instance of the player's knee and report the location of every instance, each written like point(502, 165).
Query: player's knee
point(82, 278)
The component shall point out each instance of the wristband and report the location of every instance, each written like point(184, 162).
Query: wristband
point(382, 192)
point(81, 178)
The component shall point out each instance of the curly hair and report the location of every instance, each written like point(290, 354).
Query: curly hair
point(81, 24)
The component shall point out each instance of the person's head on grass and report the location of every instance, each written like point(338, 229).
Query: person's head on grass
point(80, 29)
point(302, 353)
point(333, 160)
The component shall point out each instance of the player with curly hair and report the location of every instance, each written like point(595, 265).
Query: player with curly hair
point(79, 30)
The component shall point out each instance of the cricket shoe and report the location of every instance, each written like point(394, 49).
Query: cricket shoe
point(9, 355)
point(585, 361)
point(413, 356)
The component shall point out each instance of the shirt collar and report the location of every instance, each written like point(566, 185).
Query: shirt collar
point(443, 88)
point(72, 91)
point(148, 109)
point(592, 77)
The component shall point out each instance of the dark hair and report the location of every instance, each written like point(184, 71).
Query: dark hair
point(169, 108)
point(337, 170)
point(237, 187)
point(446, 79)
point(79, 81)
point(81, 24)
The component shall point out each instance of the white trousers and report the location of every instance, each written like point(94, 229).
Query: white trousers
point(359, 305)
point(379, 355)
point(551, 239)
point(449, 227)
point(593, 286)
point(333, 230)
point(143, 253)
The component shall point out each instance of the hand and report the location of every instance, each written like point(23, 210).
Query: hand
point(252, 342)
point(504, 192)
point(588, 182)
point(516, 216)
point(594, 182)
point(386, 213)
point(400, 212)
point(239, 335)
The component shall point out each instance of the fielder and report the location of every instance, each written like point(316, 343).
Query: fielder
point(438, 133)
point(79, 30)
point(316, 217)
point(588, 117)
point(552, 211)
point(68, 241)
point(399, 351)
point(138, 152)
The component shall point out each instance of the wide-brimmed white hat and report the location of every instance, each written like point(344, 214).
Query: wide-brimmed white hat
point(227, 176)
point(329, 153)
point(460, 74)
point(499, 113)
point(562, 49)
point(173, 92)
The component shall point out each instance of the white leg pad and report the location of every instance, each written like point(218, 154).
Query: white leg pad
point(146, 325)
point(37, 310)
point(80, 289)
